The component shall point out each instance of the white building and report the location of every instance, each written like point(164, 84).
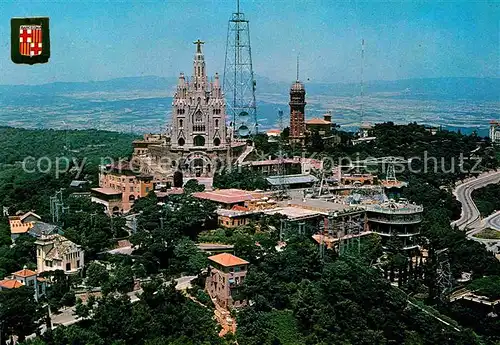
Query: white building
point(56, 252)
point(495, 131)
point(25, 277)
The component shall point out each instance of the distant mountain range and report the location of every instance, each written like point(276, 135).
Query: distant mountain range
point(430, 88)
point(143, 103)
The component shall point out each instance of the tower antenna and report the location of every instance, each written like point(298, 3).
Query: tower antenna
point(239, 83)
point(297, 67)
point(362, 80)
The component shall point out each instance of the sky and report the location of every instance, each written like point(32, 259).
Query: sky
point(100, 40)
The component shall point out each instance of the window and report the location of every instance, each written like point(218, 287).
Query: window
point(181, 123)
point(199, 140)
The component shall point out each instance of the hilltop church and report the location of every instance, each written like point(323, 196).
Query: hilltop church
point(198, 140)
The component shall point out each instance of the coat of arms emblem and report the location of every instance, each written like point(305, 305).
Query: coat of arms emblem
point(30, 40)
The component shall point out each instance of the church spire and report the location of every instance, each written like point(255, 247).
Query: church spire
point(199, 75)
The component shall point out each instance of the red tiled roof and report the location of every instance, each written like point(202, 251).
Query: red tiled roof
point(107, 191)
point(10, 284)
point(25, 273)
point(273, 132)
point(317, 121)
point(227, 260)
point(225, 196)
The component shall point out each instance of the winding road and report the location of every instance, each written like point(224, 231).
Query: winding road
point(470, 217)
point(493, 221)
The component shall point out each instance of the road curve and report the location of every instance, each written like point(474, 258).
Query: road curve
point(470, 216)
point(493, 221)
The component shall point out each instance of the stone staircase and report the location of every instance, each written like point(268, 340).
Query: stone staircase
point(249, 149)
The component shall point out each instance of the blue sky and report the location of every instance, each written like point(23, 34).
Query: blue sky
point(99, 40)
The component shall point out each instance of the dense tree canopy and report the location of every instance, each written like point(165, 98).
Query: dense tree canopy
point(161, 316)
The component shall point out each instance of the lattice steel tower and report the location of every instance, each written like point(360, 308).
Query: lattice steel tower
point(239, 83)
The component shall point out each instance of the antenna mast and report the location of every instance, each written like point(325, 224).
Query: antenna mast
point(362, 80)
point(238, 82)
point(297, 67)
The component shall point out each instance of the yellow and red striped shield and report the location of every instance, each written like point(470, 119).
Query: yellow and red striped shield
point(30, 40)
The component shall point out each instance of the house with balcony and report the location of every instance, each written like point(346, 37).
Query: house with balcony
point(226, 274)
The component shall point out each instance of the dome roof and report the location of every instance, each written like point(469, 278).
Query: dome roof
point(297, 86)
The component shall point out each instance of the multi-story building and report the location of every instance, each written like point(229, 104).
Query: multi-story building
point(56, 252)
point(297, 112)
point(225, 276)
point(25, 277)
point(395, 219)
point(495, 131)
point(121, 180)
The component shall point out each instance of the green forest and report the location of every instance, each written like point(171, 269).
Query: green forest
point(487, 199)
point(22, 190)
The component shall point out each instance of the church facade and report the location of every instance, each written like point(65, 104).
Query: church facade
point(198, 141)
point(199, 110)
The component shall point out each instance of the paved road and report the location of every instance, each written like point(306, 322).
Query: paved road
point(470, 217)
point(493, 221)
point(67, 316)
